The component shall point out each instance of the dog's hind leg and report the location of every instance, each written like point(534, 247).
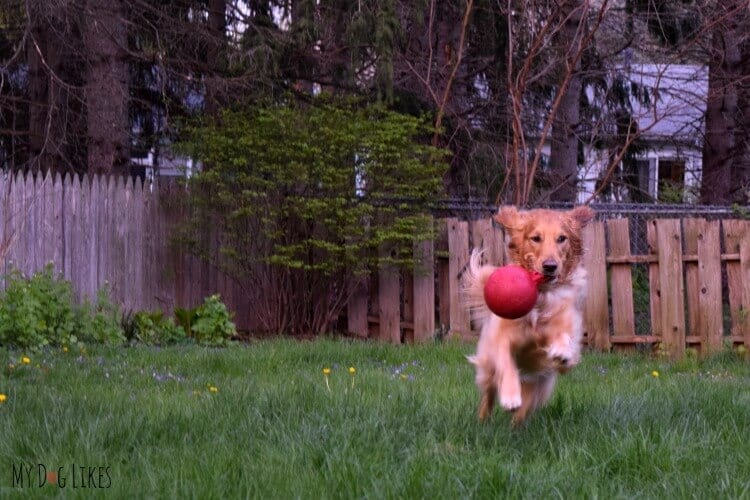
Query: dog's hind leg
point(485, 382)
point(486, 403)
point(528, 391)
point(534, 393)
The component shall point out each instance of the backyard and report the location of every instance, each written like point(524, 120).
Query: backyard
point(336, 418)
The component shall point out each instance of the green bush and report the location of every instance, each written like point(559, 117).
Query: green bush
point(305, 199)
point(37, 311)
point(153, 328)
point(213, 323)
point(41, 310)
point(101, 320)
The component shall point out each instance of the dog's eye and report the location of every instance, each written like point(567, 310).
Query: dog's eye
point(562, 238)
point(536, 238)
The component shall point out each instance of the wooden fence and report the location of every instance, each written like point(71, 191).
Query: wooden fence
point(691, 289)
point(108, 230)
point(695, 293)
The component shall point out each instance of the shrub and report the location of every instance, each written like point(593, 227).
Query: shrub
point(305, 199)
point(153, 328)
point(100, 321)
point(37, 311)
point(213, 323)
point(41, 310)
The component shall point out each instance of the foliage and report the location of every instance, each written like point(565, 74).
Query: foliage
point(101, 320)
point(185, 318)
point(308, 196)
point(41, 310)
point(153, 328)
point(209, 324)
point(213, 323)
point(37, 311)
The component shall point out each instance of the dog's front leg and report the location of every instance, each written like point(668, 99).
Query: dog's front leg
point(508, 377)
point(564, 338)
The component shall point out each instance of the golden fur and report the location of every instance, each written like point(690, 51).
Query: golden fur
point(519, 360)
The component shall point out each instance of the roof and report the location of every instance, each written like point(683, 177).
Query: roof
point(676, 104)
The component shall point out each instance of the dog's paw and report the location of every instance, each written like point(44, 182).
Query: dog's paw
point(563, 352)
point(510, 395)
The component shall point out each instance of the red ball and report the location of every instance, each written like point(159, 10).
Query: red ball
point(511, 291)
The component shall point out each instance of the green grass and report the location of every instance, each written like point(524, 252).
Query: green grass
point(407, 429)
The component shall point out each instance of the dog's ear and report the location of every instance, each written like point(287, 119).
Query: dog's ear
point(582, 215)
point(509, 217)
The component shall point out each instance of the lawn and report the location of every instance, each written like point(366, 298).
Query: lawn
point(260, 421)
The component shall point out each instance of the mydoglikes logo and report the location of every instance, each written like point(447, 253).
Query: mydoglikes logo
point(67, 476)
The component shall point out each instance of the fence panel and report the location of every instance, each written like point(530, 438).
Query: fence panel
point(108, 229)
point(737, 242)
point(672, 320)
point(710, 315)
point(458, 258)
point(424, 291)
point(596, 313)
point(623, 313)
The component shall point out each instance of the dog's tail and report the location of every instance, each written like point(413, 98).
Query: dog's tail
point(474, 279)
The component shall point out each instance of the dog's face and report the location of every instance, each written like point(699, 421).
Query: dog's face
point(545, 241)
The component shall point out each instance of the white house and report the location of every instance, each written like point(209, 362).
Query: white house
point(671, 126)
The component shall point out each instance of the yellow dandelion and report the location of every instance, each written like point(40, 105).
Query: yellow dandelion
point(655, 374)
point(25, 360)
point(213, 389)
point(65, 348)
point(352, 370)
point(326, 371)
point(3, 398)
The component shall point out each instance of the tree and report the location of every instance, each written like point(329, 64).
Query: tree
point(106, 90)
point(303, 198)
point(565, 142)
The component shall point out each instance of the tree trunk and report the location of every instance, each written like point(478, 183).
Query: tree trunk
point(721, 114)
point(564, 148)
point(741, 162)
point(51, 121)
point(217, 29)
point(106, 90)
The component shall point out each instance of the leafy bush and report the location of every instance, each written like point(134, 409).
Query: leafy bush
point(37, 311)
point(100, 321)
point(305, 199)
point(209, 324)
point(153, 328)
point(213, 323)
point(41, 310)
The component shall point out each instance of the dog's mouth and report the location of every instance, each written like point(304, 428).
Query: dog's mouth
point(549, 278)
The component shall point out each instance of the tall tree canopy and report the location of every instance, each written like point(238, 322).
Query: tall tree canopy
point(520, 91)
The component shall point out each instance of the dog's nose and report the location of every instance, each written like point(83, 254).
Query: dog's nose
point(549, 266)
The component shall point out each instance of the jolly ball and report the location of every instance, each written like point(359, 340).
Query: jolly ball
point(511, 291)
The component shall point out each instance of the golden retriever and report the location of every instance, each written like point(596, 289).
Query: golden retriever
point(519, 360)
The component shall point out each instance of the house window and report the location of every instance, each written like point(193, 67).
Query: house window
point(671, 180)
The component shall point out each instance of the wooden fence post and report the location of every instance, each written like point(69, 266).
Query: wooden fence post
point(672, 320)
point(737, 240)
point(710, 316)
point(389, 298)
point(443, 274)
point(356, 308)
point(458, 248)
point(623, 313)
point(424, 289)
point(596, 309)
